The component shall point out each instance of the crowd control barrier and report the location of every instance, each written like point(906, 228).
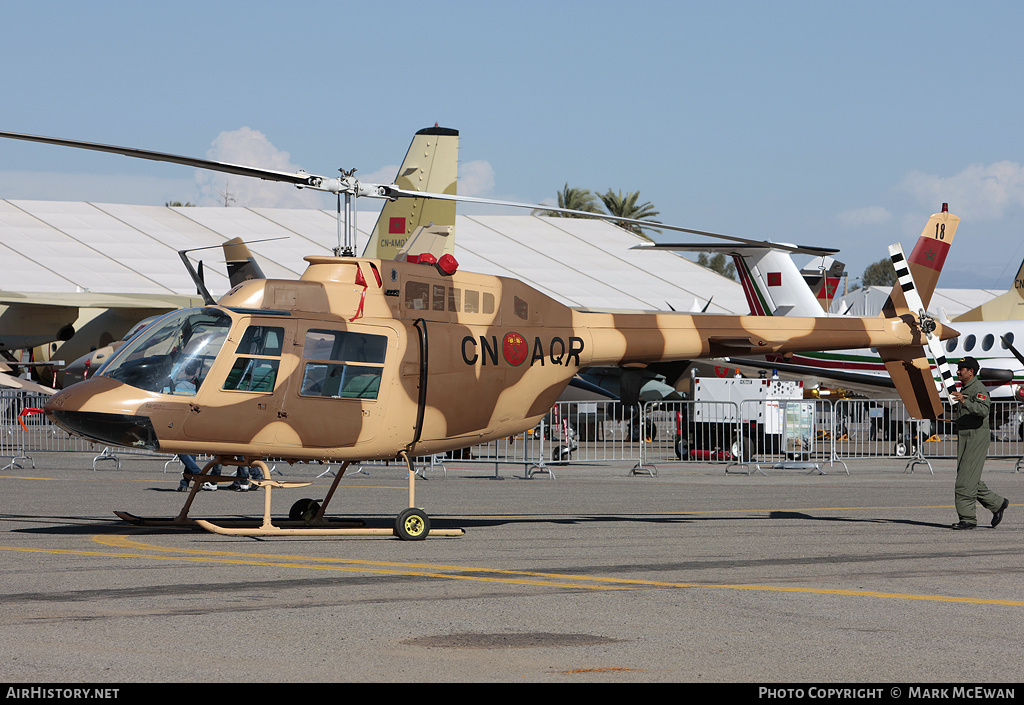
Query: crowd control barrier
point(750, 435)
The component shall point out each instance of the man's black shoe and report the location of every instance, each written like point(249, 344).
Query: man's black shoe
point(997, 516)
point(962, 525)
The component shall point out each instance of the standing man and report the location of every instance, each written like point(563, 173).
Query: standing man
point(973, 436)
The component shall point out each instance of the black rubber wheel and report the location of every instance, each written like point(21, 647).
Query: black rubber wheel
point(561, 454)
point(304, 509)
point(412, 525)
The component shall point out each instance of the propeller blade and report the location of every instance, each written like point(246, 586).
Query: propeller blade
point(927, 324)
point(1009, 346)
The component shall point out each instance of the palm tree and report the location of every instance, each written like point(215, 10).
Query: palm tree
point(626, 207)
point(577, 199)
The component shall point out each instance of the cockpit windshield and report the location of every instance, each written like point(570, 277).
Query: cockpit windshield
point(174, 354)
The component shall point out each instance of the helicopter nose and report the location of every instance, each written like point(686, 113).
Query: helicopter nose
point(91, 409)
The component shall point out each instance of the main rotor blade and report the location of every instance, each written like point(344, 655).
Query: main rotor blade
point(348, 184)
point(394, 191)
point(299, 179)
point(766, 245)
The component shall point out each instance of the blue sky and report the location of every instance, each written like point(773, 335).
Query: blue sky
point(823, 123)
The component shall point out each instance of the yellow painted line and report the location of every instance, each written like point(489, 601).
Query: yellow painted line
point(123, 541)
point(281, 564)
point(470, 573)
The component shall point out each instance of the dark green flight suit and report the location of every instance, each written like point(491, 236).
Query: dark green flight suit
point(973, 437)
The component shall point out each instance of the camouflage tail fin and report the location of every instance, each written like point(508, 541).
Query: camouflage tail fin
point(431, 164)
point(926, 260)
point(909, 367)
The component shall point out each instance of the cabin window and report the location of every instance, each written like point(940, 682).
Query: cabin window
point(417, 295)
point(330, 369)
point(522, 309)
point(320, 379)
point(344, 345)
point(488, 303)
point(454, 299)
point(987, 342)
point(472, 301)
point(951, 345)
point(1007, 341)
point(969, 343)
point(438, 300)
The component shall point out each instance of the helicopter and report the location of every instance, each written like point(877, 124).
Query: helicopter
point(364, 358)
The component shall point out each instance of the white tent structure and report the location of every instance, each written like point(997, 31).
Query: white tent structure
point(61, 246)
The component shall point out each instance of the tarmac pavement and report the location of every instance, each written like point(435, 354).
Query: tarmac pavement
point(694, 575)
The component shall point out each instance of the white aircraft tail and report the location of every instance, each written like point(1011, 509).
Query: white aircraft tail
point(773, 285)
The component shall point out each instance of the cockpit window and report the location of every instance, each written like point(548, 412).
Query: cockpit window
point(174, 354)
point(251, 373)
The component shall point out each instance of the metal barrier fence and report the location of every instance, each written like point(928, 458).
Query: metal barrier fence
point(24, 430)
point(752, 434)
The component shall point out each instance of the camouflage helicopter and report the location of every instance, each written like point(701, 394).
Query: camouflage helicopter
point(366, 358)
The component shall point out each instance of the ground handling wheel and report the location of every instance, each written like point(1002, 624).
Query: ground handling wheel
point(412, 525)
point(304, 509)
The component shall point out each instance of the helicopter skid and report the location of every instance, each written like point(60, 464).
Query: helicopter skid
point(271, 530)
point(332, 524)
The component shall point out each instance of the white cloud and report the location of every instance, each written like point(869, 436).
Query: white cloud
point(476, 178)
point(979, 192)
point(861, 217)
point(249, 147)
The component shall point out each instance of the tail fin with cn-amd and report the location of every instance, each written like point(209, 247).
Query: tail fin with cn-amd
point(431, 165)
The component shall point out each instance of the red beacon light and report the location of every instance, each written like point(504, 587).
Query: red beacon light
point(447, 265)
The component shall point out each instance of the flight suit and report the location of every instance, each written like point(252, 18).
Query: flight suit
point(973, 437)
